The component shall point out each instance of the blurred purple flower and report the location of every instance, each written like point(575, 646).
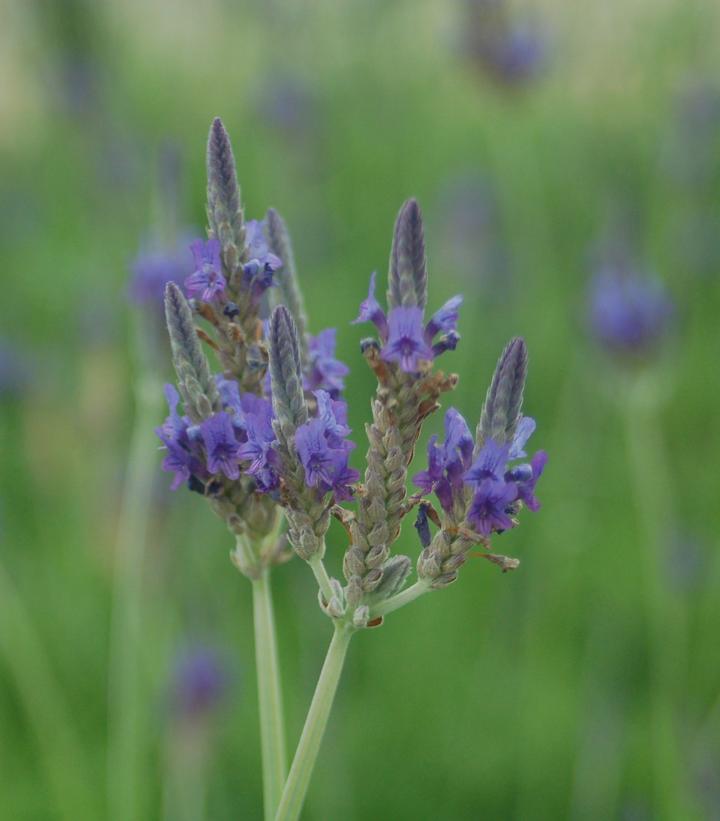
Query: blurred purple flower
point(153, 268)
point(512, 53)
point(199, 682)
point(629, 313)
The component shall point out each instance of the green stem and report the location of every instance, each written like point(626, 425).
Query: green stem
point(127, 726)
point(651, 478)
point(61, 750)
point(401, 599)
point(272, 726)
point(318, 568)
point(306, 754)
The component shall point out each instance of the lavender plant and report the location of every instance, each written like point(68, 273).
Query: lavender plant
point(265, 441)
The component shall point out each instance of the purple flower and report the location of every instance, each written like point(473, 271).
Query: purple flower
point(444, 320)
point(629, 314)
point(406, 343)
point(324, 370)
point(333, 414)
point(496, 487)
point(257, 245)
point(222, 450)
point(525, 478)
point(199, 682)
point(490, 463)
point(324, 451)
point(370, 311)
point(184, 456)
point(229, 391)
point(258, 272)
point(405, 340)
point(321, 462)
point(178, 460)
point(489, 507)
point(259, 447)
point(207, 281)
point(447, 463)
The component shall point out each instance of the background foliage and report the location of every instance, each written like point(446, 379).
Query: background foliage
point(519, 696)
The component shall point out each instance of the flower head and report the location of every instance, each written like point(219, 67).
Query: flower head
point(207, 282)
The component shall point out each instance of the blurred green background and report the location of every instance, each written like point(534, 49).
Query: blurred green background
point(584, 685)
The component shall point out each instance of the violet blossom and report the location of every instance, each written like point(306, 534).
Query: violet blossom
point(406, 340)
point(222, 449)
point(496, 485)
point(207, 282)
point(324, 451)
point(324, 371)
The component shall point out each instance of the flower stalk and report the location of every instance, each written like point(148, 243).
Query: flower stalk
point(298, 781)
point(272, 724)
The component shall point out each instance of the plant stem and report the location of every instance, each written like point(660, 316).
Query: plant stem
point(651, 478)
point(306, 754)
point(405, 597)
point(272, 726)
point(127, 734)
point(318, 568)
point(69, 777)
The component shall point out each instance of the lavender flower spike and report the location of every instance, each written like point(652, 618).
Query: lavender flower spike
point(197, 387)
point(408, 269)
point(503, 402)
point(286, 372)
point(224, 208)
